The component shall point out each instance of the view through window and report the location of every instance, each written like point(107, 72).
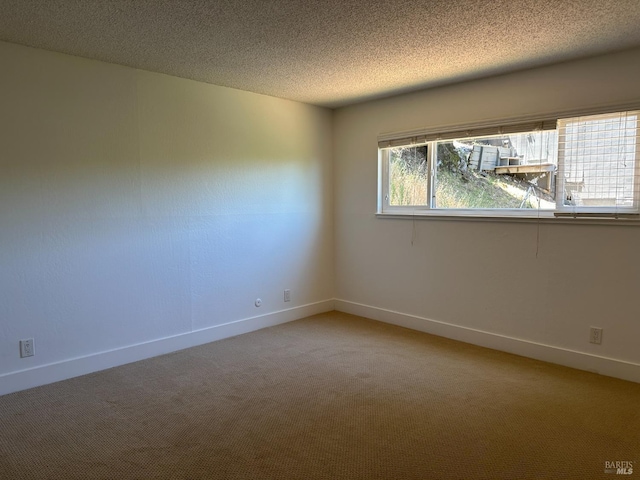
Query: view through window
point(585, 164)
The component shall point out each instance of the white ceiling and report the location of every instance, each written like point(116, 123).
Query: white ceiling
point(325, 52)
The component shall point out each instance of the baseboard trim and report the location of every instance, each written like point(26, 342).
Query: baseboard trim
point(570, 358)
point(74, 367)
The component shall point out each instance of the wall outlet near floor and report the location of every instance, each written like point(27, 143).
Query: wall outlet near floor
point(595, 335)
point(27, 348)
point(287, 295)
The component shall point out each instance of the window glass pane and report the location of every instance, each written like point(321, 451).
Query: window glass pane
point(408, 176)
point(515, 171)
point(599, 158)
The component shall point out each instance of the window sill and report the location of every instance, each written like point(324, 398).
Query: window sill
point(545, 217)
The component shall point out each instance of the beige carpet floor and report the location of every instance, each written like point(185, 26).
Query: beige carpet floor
point(332, 396)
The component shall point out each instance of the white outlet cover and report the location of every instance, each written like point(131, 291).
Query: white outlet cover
point(27, 348)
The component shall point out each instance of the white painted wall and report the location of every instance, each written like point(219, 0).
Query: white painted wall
point(140, 213)
point(485, 276)
point(136, 206)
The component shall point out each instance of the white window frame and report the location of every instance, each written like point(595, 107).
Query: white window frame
point(430, 137)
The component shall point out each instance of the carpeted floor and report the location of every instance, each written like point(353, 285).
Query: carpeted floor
point(332, 396)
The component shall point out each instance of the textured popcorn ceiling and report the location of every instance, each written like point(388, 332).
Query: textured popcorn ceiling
point(325, 52)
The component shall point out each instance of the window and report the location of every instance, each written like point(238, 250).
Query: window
point(569, 166)
point(598, 167)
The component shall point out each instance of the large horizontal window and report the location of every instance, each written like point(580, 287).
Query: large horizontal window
point(569, 166)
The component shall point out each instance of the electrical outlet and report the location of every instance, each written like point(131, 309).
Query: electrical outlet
point(287, 295)
point(27, 348)
point(258, 302)
point(595, 335)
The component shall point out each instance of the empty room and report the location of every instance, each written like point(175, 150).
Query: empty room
point(319, 240)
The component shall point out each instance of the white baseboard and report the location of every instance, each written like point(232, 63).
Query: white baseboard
point(54, 372)
point(569, 358)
